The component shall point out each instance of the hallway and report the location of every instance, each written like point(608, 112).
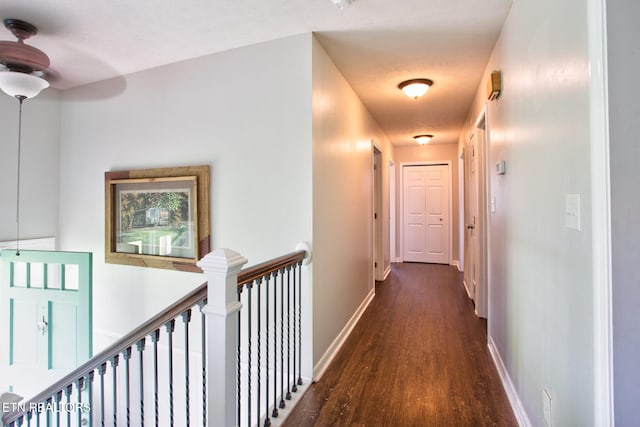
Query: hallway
point(418, 357)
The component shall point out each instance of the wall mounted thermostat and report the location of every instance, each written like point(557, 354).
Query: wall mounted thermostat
point(501, 167)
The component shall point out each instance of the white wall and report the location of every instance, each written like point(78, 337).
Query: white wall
point(39, 176)
point(343, 131)
point(541, 315)
point(624, 110)
point(246, 113)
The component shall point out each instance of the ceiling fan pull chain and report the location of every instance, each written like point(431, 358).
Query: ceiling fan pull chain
point(20, 98)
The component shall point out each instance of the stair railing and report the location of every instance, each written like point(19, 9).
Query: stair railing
point(241, 369)
point(260, 364)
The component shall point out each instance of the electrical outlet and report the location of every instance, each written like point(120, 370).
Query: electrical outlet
point(546, 406)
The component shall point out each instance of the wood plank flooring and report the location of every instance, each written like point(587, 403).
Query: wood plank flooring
point(418, 357)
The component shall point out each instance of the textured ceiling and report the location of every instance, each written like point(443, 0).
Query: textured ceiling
point(375, 43)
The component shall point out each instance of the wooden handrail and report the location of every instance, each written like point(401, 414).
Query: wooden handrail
point(249, 274)
point(193, 298)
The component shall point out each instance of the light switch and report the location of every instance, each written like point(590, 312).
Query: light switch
point(572, 211)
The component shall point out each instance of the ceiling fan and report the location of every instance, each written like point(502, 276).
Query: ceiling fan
point(18, 60)
point(22, 75)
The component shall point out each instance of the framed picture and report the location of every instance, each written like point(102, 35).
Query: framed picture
point(157, 217)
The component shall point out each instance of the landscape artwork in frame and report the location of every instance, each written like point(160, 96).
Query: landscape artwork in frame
point(155, 217)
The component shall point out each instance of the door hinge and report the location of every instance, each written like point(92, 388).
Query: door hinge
point(375, 265)
point(375, 216)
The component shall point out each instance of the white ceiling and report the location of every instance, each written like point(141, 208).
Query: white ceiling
point(375, 43)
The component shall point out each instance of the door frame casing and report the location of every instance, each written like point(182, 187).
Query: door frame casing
point(377, 207)
point(604, 408)
point(393, 253)
point(449, 196)
point(462, 194)
point(484, 212)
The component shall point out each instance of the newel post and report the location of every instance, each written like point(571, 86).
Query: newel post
point(221, 269)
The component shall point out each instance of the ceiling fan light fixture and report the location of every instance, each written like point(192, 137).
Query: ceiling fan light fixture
point(18, 84)
point(423, 139)
point(415, 88)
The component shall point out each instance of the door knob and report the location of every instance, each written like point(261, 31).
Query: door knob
point(42, 326)
point(470, 226)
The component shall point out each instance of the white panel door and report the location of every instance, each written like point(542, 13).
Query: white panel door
point(426, 213)
point(471, 272)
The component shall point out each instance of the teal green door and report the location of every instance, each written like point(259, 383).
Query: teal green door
point(46, 325)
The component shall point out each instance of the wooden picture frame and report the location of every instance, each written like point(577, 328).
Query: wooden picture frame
point(157, 217)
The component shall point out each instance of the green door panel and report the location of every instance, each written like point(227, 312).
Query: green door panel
point(46, 311)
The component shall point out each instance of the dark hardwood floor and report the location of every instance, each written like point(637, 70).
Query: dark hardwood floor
point(418, 357)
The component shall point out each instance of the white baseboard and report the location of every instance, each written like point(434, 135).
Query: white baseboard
point(509, 388)
point(466, 288)
point(387, 271)
point(283, 413)
point(322, 365)
point(456, 264)
point(398, 259)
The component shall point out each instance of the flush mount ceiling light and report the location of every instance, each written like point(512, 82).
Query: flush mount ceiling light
point(341, 4)
point(423, 139)
point(415, 88)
